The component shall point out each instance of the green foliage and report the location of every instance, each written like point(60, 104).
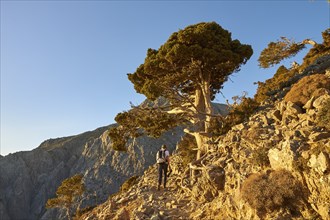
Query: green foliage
point(118, 138)
point(267, 192)
point(238, 114)
point(284, 77)
point(201, 52)
point(129, 183)
point(138, 121)
point(185, 149)
point(260, 157)
point(318, 50)
point(308, 87)
point(323, 116)
point(195, 60)
point(66, 193)
point(277, 51)
point(268, 88)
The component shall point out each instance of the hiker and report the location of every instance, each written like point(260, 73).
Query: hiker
point(163, 160)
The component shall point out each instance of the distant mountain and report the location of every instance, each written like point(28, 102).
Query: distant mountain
point(29, 179)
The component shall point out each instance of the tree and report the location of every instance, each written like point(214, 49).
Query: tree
point(188, 70)
point(280, 50)
point(66, 194)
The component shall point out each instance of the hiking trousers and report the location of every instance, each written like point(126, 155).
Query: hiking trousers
point(162, 170)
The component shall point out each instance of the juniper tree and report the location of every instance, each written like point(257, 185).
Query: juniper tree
point(66, 194)
point(188, 70)
point(280, 50)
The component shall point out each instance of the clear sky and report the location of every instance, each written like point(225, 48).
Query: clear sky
point(64, 63)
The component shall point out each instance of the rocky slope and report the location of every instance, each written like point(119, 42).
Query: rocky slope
point(283, 136)
point(276, 165)
point(29, 179)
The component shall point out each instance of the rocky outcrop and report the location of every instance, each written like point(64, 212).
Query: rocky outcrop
point(282, 136)
point(29, 179)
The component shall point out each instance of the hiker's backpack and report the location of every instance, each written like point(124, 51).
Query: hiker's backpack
point(161, 156)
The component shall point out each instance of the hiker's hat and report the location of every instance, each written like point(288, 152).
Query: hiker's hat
point(163, 146)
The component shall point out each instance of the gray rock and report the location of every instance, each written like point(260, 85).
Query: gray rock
point(29, 179)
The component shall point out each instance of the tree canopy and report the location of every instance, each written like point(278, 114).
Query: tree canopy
point(66, 194)
point(188, 70)
point(277, 51)
point(200, 53)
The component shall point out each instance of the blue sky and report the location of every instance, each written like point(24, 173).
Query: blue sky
point(64, 63)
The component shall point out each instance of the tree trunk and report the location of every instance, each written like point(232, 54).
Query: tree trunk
point(208, 105)
point(199, 125)
point(68, 213)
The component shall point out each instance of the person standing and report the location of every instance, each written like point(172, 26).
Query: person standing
point(163, 160)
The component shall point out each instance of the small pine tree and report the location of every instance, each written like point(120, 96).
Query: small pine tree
point(66, 194)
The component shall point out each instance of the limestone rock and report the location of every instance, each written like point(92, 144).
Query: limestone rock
point(320, 163)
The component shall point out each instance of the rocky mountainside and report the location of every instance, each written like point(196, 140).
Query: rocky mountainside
point(280, 137)
point(29, 179)
point(275, 165)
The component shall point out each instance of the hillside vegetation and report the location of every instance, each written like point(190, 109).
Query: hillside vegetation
point(269, 160)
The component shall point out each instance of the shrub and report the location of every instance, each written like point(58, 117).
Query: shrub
point(238, 114)
point(129, 183)
point(268, 192)
point(271, 86)
point(323, 116)
point(67, 194)
point(307, 87)
point(317, 51)
point(260, 157)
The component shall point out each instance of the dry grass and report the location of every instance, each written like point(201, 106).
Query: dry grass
point(267, 192)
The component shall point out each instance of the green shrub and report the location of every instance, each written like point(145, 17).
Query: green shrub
point(317, 51)
point(271, 86)
point(260, 157)
point(129, 183)
point(67, 194)
point(271, 191)
point(238, 114)
point(307, 87)
point(323, 116)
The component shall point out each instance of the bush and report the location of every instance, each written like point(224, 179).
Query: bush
point(317, 51)
point(323, 116)
point(271, 191)
point(307, 87)
point(238, 114)
point(271, 86)
point(260, 157)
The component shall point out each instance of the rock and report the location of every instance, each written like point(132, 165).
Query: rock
point(293, 109)
point(277, 115)
point(123, 214)
point(320, 163)
point(317, 136)
point(216, 175)
point(29, 179)
point(284, 158)
point(319, 102)
point(309, 103)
